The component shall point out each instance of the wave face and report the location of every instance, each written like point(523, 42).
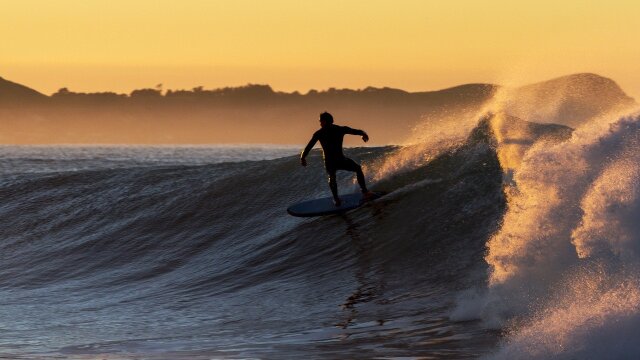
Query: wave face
point(123, 257)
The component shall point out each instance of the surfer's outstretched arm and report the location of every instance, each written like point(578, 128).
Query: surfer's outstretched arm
point(351, 131)
point(306, 150)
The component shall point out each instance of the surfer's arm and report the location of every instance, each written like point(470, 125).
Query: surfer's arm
point(350, 131)
point(306, 150)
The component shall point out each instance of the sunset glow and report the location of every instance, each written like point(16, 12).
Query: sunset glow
point(292, 45)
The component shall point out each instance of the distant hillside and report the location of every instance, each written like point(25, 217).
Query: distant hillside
point(258, 114)
point(248, 114)
point(12, 93)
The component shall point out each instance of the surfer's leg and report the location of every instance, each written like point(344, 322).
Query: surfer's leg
point(333, 185)
point(351, 165)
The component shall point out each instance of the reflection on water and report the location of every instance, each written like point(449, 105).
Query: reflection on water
point(369, 277)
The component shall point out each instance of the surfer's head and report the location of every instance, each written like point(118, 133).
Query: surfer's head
point(325, 119)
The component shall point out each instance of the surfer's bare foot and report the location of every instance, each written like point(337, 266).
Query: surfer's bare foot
point(337, 202)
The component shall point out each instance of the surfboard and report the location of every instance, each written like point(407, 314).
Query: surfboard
point(325, 206)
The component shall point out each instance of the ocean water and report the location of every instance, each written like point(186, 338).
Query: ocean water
point(500, 240)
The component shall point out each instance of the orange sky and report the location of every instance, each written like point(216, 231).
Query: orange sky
point(120, 45)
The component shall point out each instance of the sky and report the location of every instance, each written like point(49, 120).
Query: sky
point(416, 45)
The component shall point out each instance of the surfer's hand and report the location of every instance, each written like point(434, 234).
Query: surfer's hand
point(365, 137)
point(303, 161)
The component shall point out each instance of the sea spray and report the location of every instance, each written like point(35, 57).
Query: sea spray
point(572, 208)
point(432, 136)
point(441, 132)
point(594, 314)
point(611, 207)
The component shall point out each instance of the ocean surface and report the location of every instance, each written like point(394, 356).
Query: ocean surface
point(499, 239)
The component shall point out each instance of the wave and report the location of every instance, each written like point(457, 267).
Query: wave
point(124, 248)
point(504, 224)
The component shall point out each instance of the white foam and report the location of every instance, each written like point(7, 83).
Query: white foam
point(560, 264)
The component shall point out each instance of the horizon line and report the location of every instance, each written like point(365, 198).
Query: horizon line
point(163, 92)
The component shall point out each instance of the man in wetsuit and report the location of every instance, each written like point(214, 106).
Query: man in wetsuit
point(330, 137)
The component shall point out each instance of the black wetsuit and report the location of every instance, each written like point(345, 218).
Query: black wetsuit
point(330, 138)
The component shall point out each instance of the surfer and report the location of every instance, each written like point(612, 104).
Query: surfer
point(330, 137)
